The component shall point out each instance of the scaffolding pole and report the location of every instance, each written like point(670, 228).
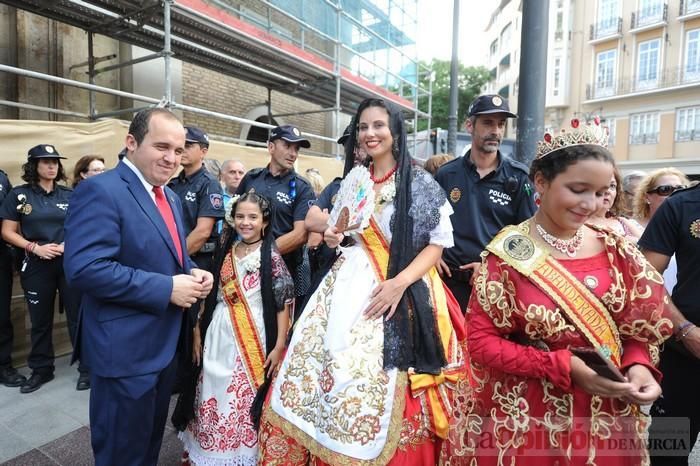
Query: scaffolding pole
point(92, 106)
point(167, 52)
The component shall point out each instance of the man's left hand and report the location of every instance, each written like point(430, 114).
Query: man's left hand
point(205, 278)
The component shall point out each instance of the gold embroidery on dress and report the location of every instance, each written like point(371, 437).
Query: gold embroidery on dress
point(352, 415)
point(544, 323)
point(513, 417)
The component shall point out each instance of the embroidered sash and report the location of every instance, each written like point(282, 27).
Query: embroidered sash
point(244, 328)
point(433, 386)
point(582, 308)
point(377, 248)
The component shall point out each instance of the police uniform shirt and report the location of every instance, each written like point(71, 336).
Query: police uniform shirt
point(201, 196)
point(327, 197)
point(483, 206)
point(675, 229)
point(290, 194)
point(40, 214)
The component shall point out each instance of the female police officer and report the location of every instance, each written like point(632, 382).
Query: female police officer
point(33, 216)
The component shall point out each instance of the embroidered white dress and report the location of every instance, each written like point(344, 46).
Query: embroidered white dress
point(331, 390)
point(222, 433)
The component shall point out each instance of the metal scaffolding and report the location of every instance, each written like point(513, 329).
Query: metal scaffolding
point(216, 36)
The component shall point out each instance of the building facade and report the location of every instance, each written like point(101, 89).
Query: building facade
point(634, 63)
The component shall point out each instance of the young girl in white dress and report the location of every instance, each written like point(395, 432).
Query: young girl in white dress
point(243, 326)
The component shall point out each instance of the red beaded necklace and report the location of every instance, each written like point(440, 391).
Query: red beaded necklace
point(383, 178)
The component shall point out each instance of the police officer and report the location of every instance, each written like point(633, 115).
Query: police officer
point(290, 195)
point(487, 191)
point(675, 229)
point(8, 374)
point(202, 198)
point(33, 216)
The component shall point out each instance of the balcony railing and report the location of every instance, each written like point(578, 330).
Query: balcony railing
point(657, 13)
point(605, 28)
point(646, 138)
point(689, 135)
point(689, 7)
point(668, 78)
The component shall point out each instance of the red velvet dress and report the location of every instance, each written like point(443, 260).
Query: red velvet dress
point(525, 409)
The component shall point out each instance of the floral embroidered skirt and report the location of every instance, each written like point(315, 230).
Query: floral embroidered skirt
point(222, 433)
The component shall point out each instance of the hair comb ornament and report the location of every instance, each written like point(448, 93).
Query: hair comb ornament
point(580, 134)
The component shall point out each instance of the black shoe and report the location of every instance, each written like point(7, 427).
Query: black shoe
point(9, 377)
point(36, 381)
point(83, 382)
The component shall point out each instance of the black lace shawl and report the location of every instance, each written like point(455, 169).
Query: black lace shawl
point(411, 339)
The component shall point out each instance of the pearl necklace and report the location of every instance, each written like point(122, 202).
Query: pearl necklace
point(568, 246)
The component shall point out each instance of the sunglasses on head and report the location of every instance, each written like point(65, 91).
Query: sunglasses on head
point(665, 189)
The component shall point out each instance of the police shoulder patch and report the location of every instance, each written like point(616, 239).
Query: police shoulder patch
point(216, 200)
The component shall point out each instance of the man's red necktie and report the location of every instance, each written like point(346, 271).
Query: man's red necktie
point(167, 215)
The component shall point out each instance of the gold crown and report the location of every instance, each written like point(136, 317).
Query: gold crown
point(589, 134)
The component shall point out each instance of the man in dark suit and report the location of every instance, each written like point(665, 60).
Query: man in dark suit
point(125, 251)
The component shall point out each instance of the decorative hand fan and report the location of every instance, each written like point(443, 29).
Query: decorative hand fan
point(354, 202)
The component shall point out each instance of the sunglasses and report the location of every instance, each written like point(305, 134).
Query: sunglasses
point(665, 189)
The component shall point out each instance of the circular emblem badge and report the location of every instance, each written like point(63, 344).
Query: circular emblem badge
point(519, 247)
point(455, 195)
point(26, 209)
point(497, 101)
point(296, 132)
point(48, 149)
point(695, 228)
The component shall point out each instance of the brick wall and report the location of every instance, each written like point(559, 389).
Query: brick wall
point(220, 93)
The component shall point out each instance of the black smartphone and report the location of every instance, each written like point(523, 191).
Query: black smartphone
point(599, 363)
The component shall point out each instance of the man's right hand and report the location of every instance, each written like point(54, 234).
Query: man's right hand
point(186, 290)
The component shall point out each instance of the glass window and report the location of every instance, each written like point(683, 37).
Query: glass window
point(605, 73)
point(610, 123)
point(692, 56)
point(608, 14)
point(505, 37)
point(557, 76)
point(648, 63)
point(644, 128)
point(493, 50)
point(650, 11)
point(688, 124)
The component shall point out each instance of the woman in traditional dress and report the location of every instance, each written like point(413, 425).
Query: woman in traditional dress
point(553, 292)
point(608, 213)
point(244, 327)
point(374, 359)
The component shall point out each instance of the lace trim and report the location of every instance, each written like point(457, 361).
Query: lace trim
point(427, 197)
point(197, 459)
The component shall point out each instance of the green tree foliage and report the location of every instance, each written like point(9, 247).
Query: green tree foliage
point(471, 80)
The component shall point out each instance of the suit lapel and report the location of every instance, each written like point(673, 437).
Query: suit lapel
point(145, 201)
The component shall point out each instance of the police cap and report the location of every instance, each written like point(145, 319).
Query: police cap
point(196, 135)
point(490, 103)
point(289, 133)
point(43, 151)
